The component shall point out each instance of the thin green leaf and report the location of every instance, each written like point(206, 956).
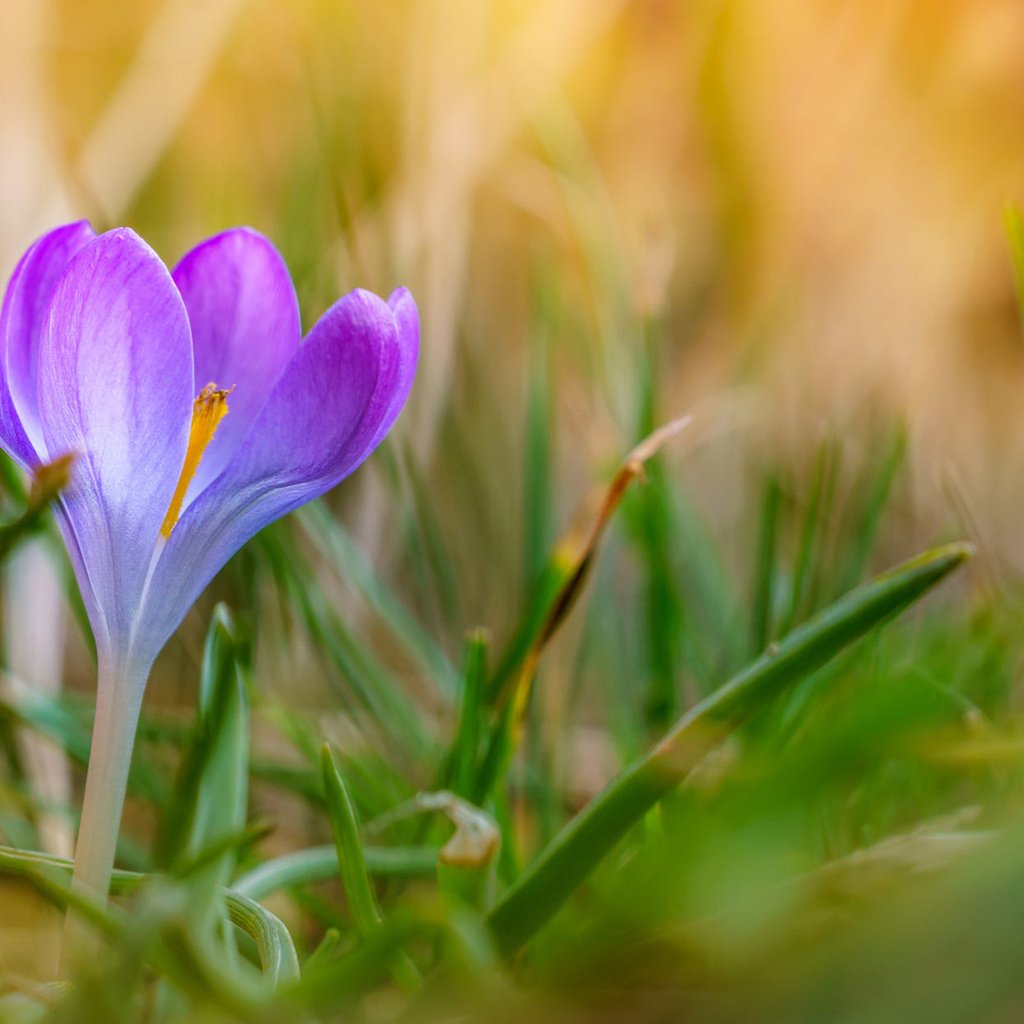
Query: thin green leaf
point(766, 570)
point(466, 746)
point(351, 862)
point(538, 499)
point(334, 543)
point(352, 865)
point(876, 488)
point(278, 959)
point(320, 863)
point(210, 794)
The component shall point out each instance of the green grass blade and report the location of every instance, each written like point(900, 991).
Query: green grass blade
point(876, 491)
point(335, 544)
point(427, 555)
point(767, 567)
point(350, 860)
point(366, 914)
point(819, 507)
point(714, 639)
point(538, 498)
point(466, 748)
point(391, 707)
point(648, 514)
point(320, 863)
point(278, 959)
point(210, 792)
point(570, 858)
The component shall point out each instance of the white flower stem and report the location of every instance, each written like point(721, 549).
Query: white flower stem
point(119, 690)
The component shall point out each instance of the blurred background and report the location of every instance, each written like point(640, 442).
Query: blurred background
point(806, 198)
point(787, 219)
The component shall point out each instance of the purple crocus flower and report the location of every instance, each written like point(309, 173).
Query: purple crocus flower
point(196, 415)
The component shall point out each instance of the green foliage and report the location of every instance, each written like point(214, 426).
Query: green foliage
point(863, 752)
point(688, 762)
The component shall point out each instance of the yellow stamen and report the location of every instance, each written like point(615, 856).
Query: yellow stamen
point(207, 411)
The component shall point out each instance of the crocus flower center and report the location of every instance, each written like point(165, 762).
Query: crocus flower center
point(209, 408)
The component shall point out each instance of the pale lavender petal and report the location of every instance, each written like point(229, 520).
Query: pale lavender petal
point(245, 328)
point(115, 388)
point(28, 294)
point(407, 321)
point(96, 619)
point(321, 421)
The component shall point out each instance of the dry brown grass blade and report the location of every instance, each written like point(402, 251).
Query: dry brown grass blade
point(574, 554)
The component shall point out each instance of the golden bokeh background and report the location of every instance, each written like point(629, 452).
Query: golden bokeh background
point(807, 199)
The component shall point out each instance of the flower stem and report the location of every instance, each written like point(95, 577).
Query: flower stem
point(119, 690)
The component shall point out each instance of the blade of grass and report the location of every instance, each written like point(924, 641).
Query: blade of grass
point(392, 708)
point(714, 638)
point(216, 756)
point(861, 535)
point(334, 543)
point(652, 530)
point(349, 849)
point(320, 863)
point(538, 500)
point(815, 519)
point(466, 746)
point(766, 569)
point(566, 863)
point(428, 557)
point(278, 959)
point(567, 572)
point(366, 914)
point(221, 797)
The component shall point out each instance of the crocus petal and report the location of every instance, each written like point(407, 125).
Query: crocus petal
point(115, 388)
point(245, 327)
point(28, 295)
point(407, 321)
point(320, 422)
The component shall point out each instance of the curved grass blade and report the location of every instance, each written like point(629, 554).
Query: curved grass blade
point(570, 858)
point(279, 962)
point(278, 959)
point(320, 863)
